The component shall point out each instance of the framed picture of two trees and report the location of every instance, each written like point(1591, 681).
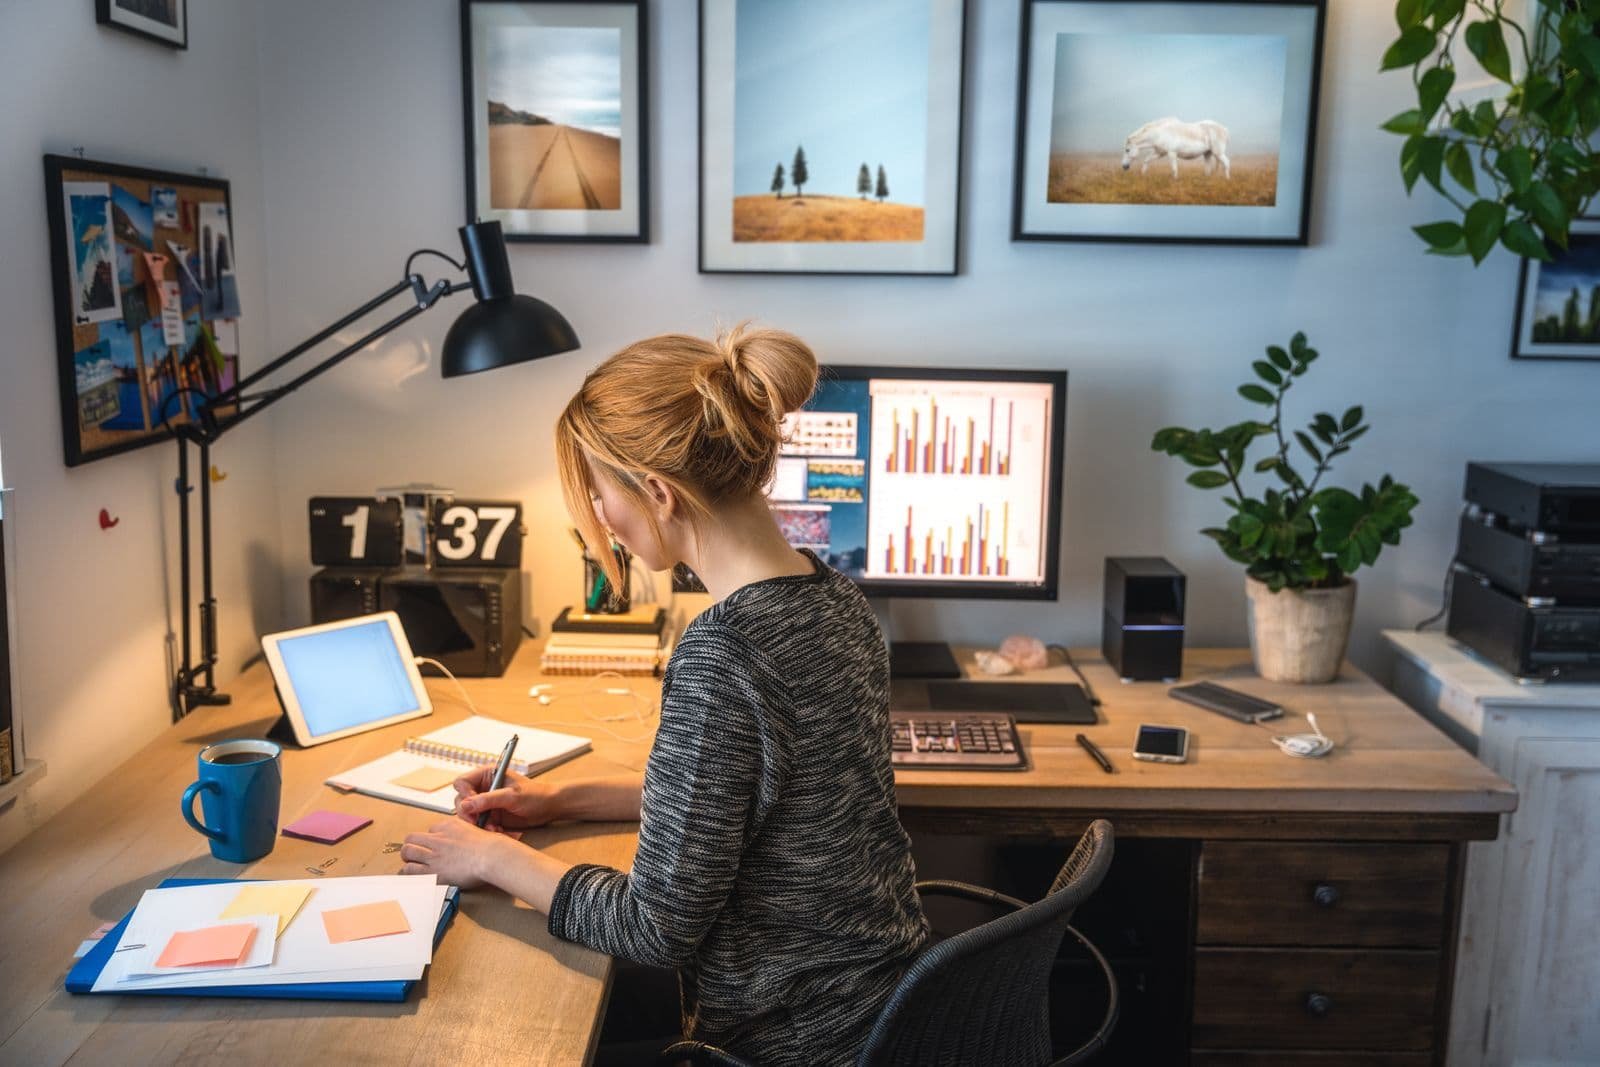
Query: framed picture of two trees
point(830, 135)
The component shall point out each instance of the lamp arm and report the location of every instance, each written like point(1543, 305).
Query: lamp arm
point(212, 427)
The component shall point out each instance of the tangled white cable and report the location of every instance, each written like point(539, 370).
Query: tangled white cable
point(1305, 746)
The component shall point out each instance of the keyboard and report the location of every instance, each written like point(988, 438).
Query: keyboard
point(961, 741)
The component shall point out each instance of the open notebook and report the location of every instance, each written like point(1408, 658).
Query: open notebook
point(423, 771)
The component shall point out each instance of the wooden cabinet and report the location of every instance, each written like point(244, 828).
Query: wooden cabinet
point(1302, 946)
point(1527, 980)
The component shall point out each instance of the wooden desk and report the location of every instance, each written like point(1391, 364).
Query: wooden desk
point(1382, 820)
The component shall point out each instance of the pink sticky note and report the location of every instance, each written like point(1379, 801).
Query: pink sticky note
point(378, 919)
point(326, 826)
point(212, 944)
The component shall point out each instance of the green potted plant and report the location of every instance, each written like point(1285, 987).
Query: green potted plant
point(1300, 541)
point(1518, 166)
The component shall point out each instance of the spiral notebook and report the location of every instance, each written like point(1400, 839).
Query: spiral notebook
point(423, 770)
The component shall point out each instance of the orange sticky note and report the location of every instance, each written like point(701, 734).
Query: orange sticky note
point(426, 779)
point(210, 945)
point(378, 919)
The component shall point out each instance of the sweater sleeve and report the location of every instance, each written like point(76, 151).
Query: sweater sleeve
point(698, 810)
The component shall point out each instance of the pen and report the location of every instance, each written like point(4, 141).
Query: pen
point(499, 774)
point(1094, 750)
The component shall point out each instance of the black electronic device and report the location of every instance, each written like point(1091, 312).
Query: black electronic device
point(468, 620)
point(922, 659)
point(1162, 744)
point(958, 741)
point(345, 592)
point(1529, 563)
point(1531, 641)
point(355, 531)
point(1142, 628)
point(477, 533)
point(1559, 499)
point(1241, 707)
point(1035, 702)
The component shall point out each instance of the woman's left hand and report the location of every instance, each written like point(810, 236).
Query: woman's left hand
point(455, 850)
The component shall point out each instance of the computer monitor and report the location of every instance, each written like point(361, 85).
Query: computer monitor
point(928, 482)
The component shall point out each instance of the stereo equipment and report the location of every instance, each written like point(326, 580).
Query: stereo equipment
point(1142, 632)
point(1535, 642)
point(1529, 564)
point(470, 620)
point(1559, 499)
point(345, 592)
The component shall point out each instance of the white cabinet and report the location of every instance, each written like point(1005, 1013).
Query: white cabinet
point(1527, 978)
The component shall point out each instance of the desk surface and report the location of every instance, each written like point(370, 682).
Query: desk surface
point(500, 981)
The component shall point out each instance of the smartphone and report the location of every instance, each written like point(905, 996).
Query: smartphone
point(1225, 701)
point(1162, 744)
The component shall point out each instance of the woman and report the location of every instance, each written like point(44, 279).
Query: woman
point(772, 869)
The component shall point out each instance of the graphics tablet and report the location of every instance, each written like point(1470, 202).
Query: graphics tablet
point(340, 678)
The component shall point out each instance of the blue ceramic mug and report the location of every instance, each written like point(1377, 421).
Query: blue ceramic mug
point(239, 788)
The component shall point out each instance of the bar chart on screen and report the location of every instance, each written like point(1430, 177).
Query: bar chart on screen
point(959, 473)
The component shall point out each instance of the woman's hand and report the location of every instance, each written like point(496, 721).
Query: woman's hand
point(518, 804)
point(455, 850)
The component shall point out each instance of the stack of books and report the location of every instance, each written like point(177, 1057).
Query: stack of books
point(633, 642)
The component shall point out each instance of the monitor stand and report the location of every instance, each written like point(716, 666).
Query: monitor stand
point(922, 659)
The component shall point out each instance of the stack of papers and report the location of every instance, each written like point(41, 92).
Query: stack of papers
point(278, 933)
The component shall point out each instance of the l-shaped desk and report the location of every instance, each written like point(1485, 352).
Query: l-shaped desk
point(1325, 891)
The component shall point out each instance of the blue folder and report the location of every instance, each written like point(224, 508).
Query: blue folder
point(86, 972)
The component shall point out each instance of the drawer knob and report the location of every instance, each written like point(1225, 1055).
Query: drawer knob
point(1319, 1004)
point(1325, 895)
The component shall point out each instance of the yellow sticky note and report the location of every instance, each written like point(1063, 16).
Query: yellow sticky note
point(378, 919)
point(213, 944)
point(426, 779)
point(284, 901)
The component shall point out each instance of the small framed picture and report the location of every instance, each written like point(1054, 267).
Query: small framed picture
point(1177, 121)
point(166, 21)
point(830, 136)
point(556, 118)
point(1558, 303)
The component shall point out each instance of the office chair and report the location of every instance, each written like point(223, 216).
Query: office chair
point(981, 996)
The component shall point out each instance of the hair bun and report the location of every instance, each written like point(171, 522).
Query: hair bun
point(774, 371)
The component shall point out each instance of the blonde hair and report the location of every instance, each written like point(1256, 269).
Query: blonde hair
point(705, 417)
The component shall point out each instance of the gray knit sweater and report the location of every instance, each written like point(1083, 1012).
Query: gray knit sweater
point(772, 869)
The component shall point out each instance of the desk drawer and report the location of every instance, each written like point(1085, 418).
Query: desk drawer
point(1271, 893)
point(1314, 999)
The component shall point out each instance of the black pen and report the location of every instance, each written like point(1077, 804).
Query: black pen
point(1099, 757)
point(499, 776)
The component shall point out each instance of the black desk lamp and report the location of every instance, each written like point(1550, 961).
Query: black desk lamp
point(501, 328)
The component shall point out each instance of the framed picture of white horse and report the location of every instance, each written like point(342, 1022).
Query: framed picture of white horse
point(1179, 121)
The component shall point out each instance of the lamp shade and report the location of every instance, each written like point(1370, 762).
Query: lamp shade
point(502, 327)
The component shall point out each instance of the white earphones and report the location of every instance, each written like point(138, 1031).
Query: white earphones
point(1306, 746)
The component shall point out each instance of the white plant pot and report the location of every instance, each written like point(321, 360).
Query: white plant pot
point(1299, 635)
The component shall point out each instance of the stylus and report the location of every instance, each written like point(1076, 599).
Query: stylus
point(499, 778)
point(1094, 751)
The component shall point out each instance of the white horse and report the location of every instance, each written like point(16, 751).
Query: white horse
point(1176, 139)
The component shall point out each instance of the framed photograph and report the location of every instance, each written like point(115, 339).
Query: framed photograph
point(166, 21)
point(1183, 121)
point(146, 300)
point(830, 136)
point(1558, 303)
point(556, 118)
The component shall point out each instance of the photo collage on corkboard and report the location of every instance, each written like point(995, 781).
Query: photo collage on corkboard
point(147, 301)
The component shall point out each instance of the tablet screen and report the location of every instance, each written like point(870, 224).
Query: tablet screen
point(347, 676)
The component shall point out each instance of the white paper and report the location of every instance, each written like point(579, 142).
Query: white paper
point(377, 779)
point(303, 952)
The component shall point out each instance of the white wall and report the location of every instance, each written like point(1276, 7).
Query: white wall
point(362, 142)
point(94, 606)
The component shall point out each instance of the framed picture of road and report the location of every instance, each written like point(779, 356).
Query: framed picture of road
point(1558, 302)
point(1185, 121)
point(830, 136)
point(556, 118)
